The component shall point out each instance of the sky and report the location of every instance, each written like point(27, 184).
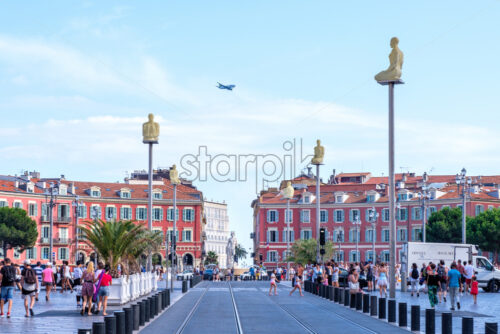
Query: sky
point(77, 80)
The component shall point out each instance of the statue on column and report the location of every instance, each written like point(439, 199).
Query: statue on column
point(174, 175)
point(230, 251)
point(393, 72)
point(150, 130)
point(319, 153)
point(288, 190)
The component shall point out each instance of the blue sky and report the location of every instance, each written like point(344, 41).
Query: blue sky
point(77, 79)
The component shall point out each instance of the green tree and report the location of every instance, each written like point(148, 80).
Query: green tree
point(115, 241)
point(445, 225)
point(240, 252)
point(304, 251)
point(146, 243)
point(17, 229)
point(211, 258)
point(484, 231)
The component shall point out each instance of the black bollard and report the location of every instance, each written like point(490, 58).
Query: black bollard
point(159, 302)
point(415, 318)
point(336, 294)
point(168, 298)
point(98, 328)
point(152, 307)
point(147, 311)
point(142, 318)
point(430, 321)
point(191, 283)
point(373, 304)
point(359, 301)
point(467, 325)
point(347, 295)
point(490, 328)
point(341, 296)
point(184, 287)
point(403, 315)
point(392, 310)
point(331, 293)
point(381, 308)
point(110, 324)
point(163, 299)
point(120, 322)
point(366, 303)
point(84, 331)
point(353, 300)
point(136, 312)
point(446, 323)
point(129, 320)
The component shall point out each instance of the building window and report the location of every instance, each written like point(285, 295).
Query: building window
point(45, 232)
point(45, 253)
point(188, 215)
point(369, 256)
point(305, 234)
point(354, 235)
point(272, 236)
point(187, 235)
point(354, 256)
point(31, 253)
point(126, 213)
point(290, 235)
point(370, 236)
point(157, 214)
point(18, 205)
point(338, 235)
point(272, 216)
point(289, 216)
point(95, 193)
point(386, 215)
point(339, 216)
point(402, 233)
point(305, 216)
point(170, 214)
point(416, 234)
point(339, 256)
point(384, 256)
point(402, 214)
point(96, 212)
point(141, 213)
point(169, 235)
point(431, 210)
point(3, 204)
point(385, 235)
point(63, 253)
point(339, 199)
point(416, 213)
point(157, 195)
point(1, 253)
point(82, 211)
point(354, 215)
point(110, 213)
point(307, 199)
point(32, 209)
point(323, 216)
point(479, 209)
point(272, 256)
point(17, 254)
point(125, 194)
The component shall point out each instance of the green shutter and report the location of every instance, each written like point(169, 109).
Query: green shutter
point(184, 215)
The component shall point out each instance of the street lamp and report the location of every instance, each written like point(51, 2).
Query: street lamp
point(94, 214)
point(76, 206)
point(466, 182)
point(339, 240)
point(373, 215)
point(319, 153)
point(288, 194)
point(174, 180)
point(424, 196)
point(51, 200)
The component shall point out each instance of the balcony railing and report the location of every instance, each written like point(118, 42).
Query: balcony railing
point(63, 220)
point(45, 219)
point(62, 241)
point(44, 240)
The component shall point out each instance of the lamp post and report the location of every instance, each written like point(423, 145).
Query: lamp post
point(466, 182)
point(339, 240)
point(174, 180)
point(94, 213)
point(51, 200)
point(319, 152)
point(373, 215)
point(424, 196)
point(357, 222)
point(288, 194)
point(76, 205)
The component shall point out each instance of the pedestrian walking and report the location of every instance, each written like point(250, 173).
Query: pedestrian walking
point(29, 284)
point(8, 280)
point(335, 275)
point(382, 280)
point(65, 277)
point(442, 272)
point(88, 288)
point(38, 270)
point(48, 280)
point(273, 283)
point(432, 285)
point(77, 281)
point(474, 290)
point(297, 285)
point(353, 281)
point(469, 272)
point(106, 281)
point(454, 286)
point(414, 279)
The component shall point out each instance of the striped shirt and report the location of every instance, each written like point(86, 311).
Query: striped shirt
point(38, 272)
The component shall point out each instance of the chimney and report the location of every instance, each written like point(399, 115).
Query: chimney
point(16, 184)
point(72, 188)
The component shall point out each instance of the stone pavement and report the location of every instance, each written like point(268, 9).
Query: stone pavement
point(208, 308)
point(60, 315)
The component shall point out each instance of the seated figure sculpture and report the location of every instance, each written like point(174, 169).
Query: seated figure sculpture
point(393, 72)
point(150, 130)
point(319, 152)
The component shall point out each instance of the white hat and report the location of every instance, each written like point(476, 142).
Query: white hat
point(49, 264)
point(27, 262)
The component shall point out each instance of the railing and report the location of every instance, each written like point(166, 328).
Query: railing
point(44, 240)
point(45, 219)
point(63, 241)
point(63, 220)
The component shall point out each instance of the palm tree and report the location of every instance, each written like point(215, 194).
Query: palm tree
point(146, 243)
point(211, 258)
point(240, 252)
point(115, 241)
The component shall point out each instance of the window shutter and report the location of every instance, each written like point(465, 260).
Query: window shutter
point(161, 213)
point(122, 213)
point(367, 215)
point(301, 216)
point(268, 238)
point(184, 215)
point(350, 216)
point(284, 235)
point(59, 209)
point(277, 236)
point(268, 216)
point(137, 213)
point(292, 235)
point(277, 216)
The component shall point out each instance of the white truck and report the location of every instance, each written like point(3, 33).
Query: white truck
point(487, 275)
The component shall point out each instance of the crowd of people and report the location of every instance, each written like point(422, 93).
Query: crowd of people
point(91, 287)
point(436, 280)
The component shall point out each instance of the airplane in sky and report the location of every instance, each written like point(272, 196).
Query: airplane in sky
point(228, 87)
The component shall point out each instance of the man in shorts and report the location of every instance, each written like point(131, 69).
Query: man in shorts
point(29, 283)
point(8, 279)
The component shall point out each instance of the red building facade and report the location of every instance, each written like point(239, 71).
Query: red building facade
point(355, 211)
point(78, 201)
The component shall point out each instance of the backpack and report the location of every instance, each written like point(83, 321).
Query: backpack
point(10, 274)
point(441, 272)
point(414, 273)
point(30, 276)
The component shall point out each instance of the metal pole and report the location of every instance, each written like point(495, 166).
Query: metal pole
point(317, 213)
point(174, 241)
point(150, 200)
point(166, 260)
point(374, 233)
point(424, 215)
point(357, 226)
point(464, 195)
point(392, 234)
point(51, 227)
point(76, 232)
point(287, 213)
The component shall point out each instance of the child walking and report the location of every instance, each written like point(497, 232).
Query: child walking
point(474, 290)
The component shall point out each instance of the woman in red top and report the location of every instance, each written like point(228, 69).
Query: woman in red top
point(474, 290)
point(104, 290)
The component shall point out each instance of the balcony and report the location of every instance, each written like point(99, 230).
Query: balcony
point(62, 241)
point(44, 240)
point(62, 220)
point(45, 219)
